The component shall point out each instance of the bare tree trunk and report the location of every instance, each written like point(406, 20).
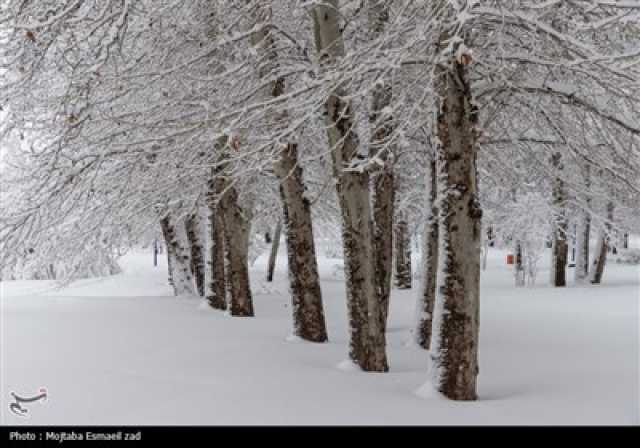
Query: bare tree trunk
point(308, 312)
point(519, 265)
point(304, 280)
point(271, 266)
point(367, 345)
point(403, 255)
point(215, 291)
point(180, 263)
point(583, 235)
point(454, 351)
point(382, 149)
point(430, 254)
point(192, 227)
point(559, 248)
point(236, 225)
point(604, 238)
point(169, 265)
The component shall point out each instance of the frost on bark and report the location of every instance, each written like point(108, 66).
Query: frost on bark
point(602, 247)
point(454, 352)
point(367, 345)
point(304, 280)
point(382, 148)
point(273, 255)
point(427, 296)
point(403, 255)
point(583, 234)
point(179, 256)
point(192, 228)
point(236, 223)
point(215, 284)
point(559, 245)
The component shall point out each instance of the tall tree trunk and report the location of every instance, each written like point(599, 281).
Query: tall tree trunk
point(604, 238)
point(271, 266)
point(236, 224)
point(367, 345)
point(454, 352)
point(215, 290)
point(403, 255)
point(427, 297)
point(583, 234)
point(382, 148)
point(559, 247)
point(308, 312)
point(180, 263)
point(304, 280)
point(519, 265)
point(194, 237)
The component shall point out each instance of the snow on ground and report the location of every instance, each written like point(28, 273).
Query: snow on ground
point(121, 350)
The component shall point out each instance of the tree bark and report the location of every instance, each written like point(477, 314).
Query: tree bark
point(604, 238)
point(236, 225)
point(192, 227)
point(583, 234)
point(430, 263)
point(308, 312)
point(454, 352)
point(180, 263)
point(383, 149)
point(304, 280)
point(559, 247)
point(518, 267)
point(403, 255)
point(275, 244)
point(367, 345)
point(216, 290)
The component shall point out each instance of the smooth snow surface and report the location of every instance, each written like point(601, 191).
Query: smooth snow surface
point(122, 350)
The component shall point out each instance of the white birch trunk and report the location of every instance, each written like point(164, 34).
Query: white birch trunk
point(382, 180)
point(180, 259)
point(600, 258)
point(215, 279)
point(367, 345)
point(583, 235)
point(454, 351)
point(559, 246)
point(196, 246)
point(304, 280)
point(427, 297)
